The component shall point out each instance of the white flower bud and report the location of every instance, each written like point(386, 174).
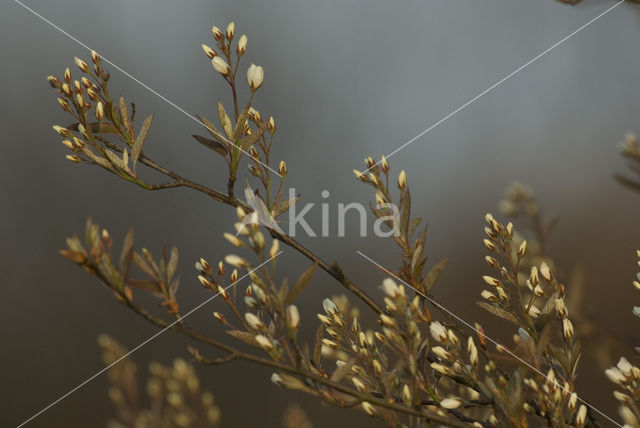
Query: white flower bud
point(581, 416)
point(236, 261)
point(390, 288)
point(264, 342)
point(438, 331)
point(545, 272)
point(255, 76)
point(221, 66)
point(450, 403)
point(293, 317)
point(254, 321)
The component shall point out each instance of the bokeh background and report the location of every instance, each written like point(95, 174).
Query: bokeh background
point(343, 80)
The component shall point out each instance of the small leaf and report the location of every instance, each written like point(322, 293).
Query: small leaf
point(499, 312)
point(140, 139)
point(124, 116)
point(245, 142)
point(172, 265)
point(213, 130)
point(301, 283)
point(126, 254)
point(284, 205)
point(434, 273)
point(317, 349)
point(211, 144)
point(405, 212)
point(225, 122)
point(243, 336)
point(147, 285)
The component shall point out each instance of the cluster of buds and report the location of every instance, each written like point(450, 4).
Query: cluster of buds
point(174, 391)
point(222, 61)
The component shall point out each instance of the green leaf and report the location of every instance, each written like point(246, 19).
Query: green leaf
point(140, 139)
point(301, 283)
point(499, 312)
point(211, 144)
point(434, 273)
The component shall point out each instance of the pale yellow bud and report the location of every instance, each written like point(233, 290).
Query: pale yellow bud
point(242, 45)
point(293, 317)
point(272, 125)
point(231, 30)
point(545, 272)
point(264, 342)
point(369, 409)
point(83, 66)
point(253, 321)
point(217, 33)
point(99, 110)
point(208, 51)
point(233, 240)
point(581, 416)
point(282, 168)
point(491, 280)
point(402, 180)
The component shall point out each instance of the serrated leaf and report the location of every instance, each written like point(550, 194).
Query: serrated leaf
point(243, 336)
point(405, 212)
point(245, 142)
point(225, 121)
point(211, 144)
point(317, 348)
point(301, 283)
point(143, 265)
point(126, 254)
point(434, 273)
point(172, 265)
point(124, 117)
point(136, 149)
point(284, 205)
point(146, 285)
point(211, 128)
point(499, 312)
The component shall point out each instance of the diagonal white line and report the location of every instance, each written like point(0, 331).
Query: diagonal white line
point(153, 91)
point(142, 344)
point(498, 83)
point(488, 338)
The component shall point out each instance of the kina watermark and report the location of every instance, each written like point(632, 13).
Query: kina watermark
point(386, 223)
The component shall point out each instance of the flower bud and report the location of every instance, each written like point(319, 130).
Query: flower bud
point(54, 82)
point(367, 407)
point(62, 131)
point(293, 317)
point(99, 111)
point(208, 51)
point(66, 89)
point(255, 76)
point(73, 158)
point(282, 168)
point(567, 329)
point(231, 30)
point(522, 249)
point(450, 403)
point(220, 65)
point(67, 75)
point(80, 100)
point(264, 342)
point(545, 272)
point(220, 317)
point(581, 416)
point(217, 33)
point(384, 164)
point(438, 331)
point(254, 321)
point(491, 280)
point(402, 180)
point(242, 45)
point(83, 66)
point(95, 57)
point(64, 104)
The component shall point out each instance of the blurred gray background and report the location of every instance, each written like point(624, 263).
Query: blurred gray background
point(343, 80)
